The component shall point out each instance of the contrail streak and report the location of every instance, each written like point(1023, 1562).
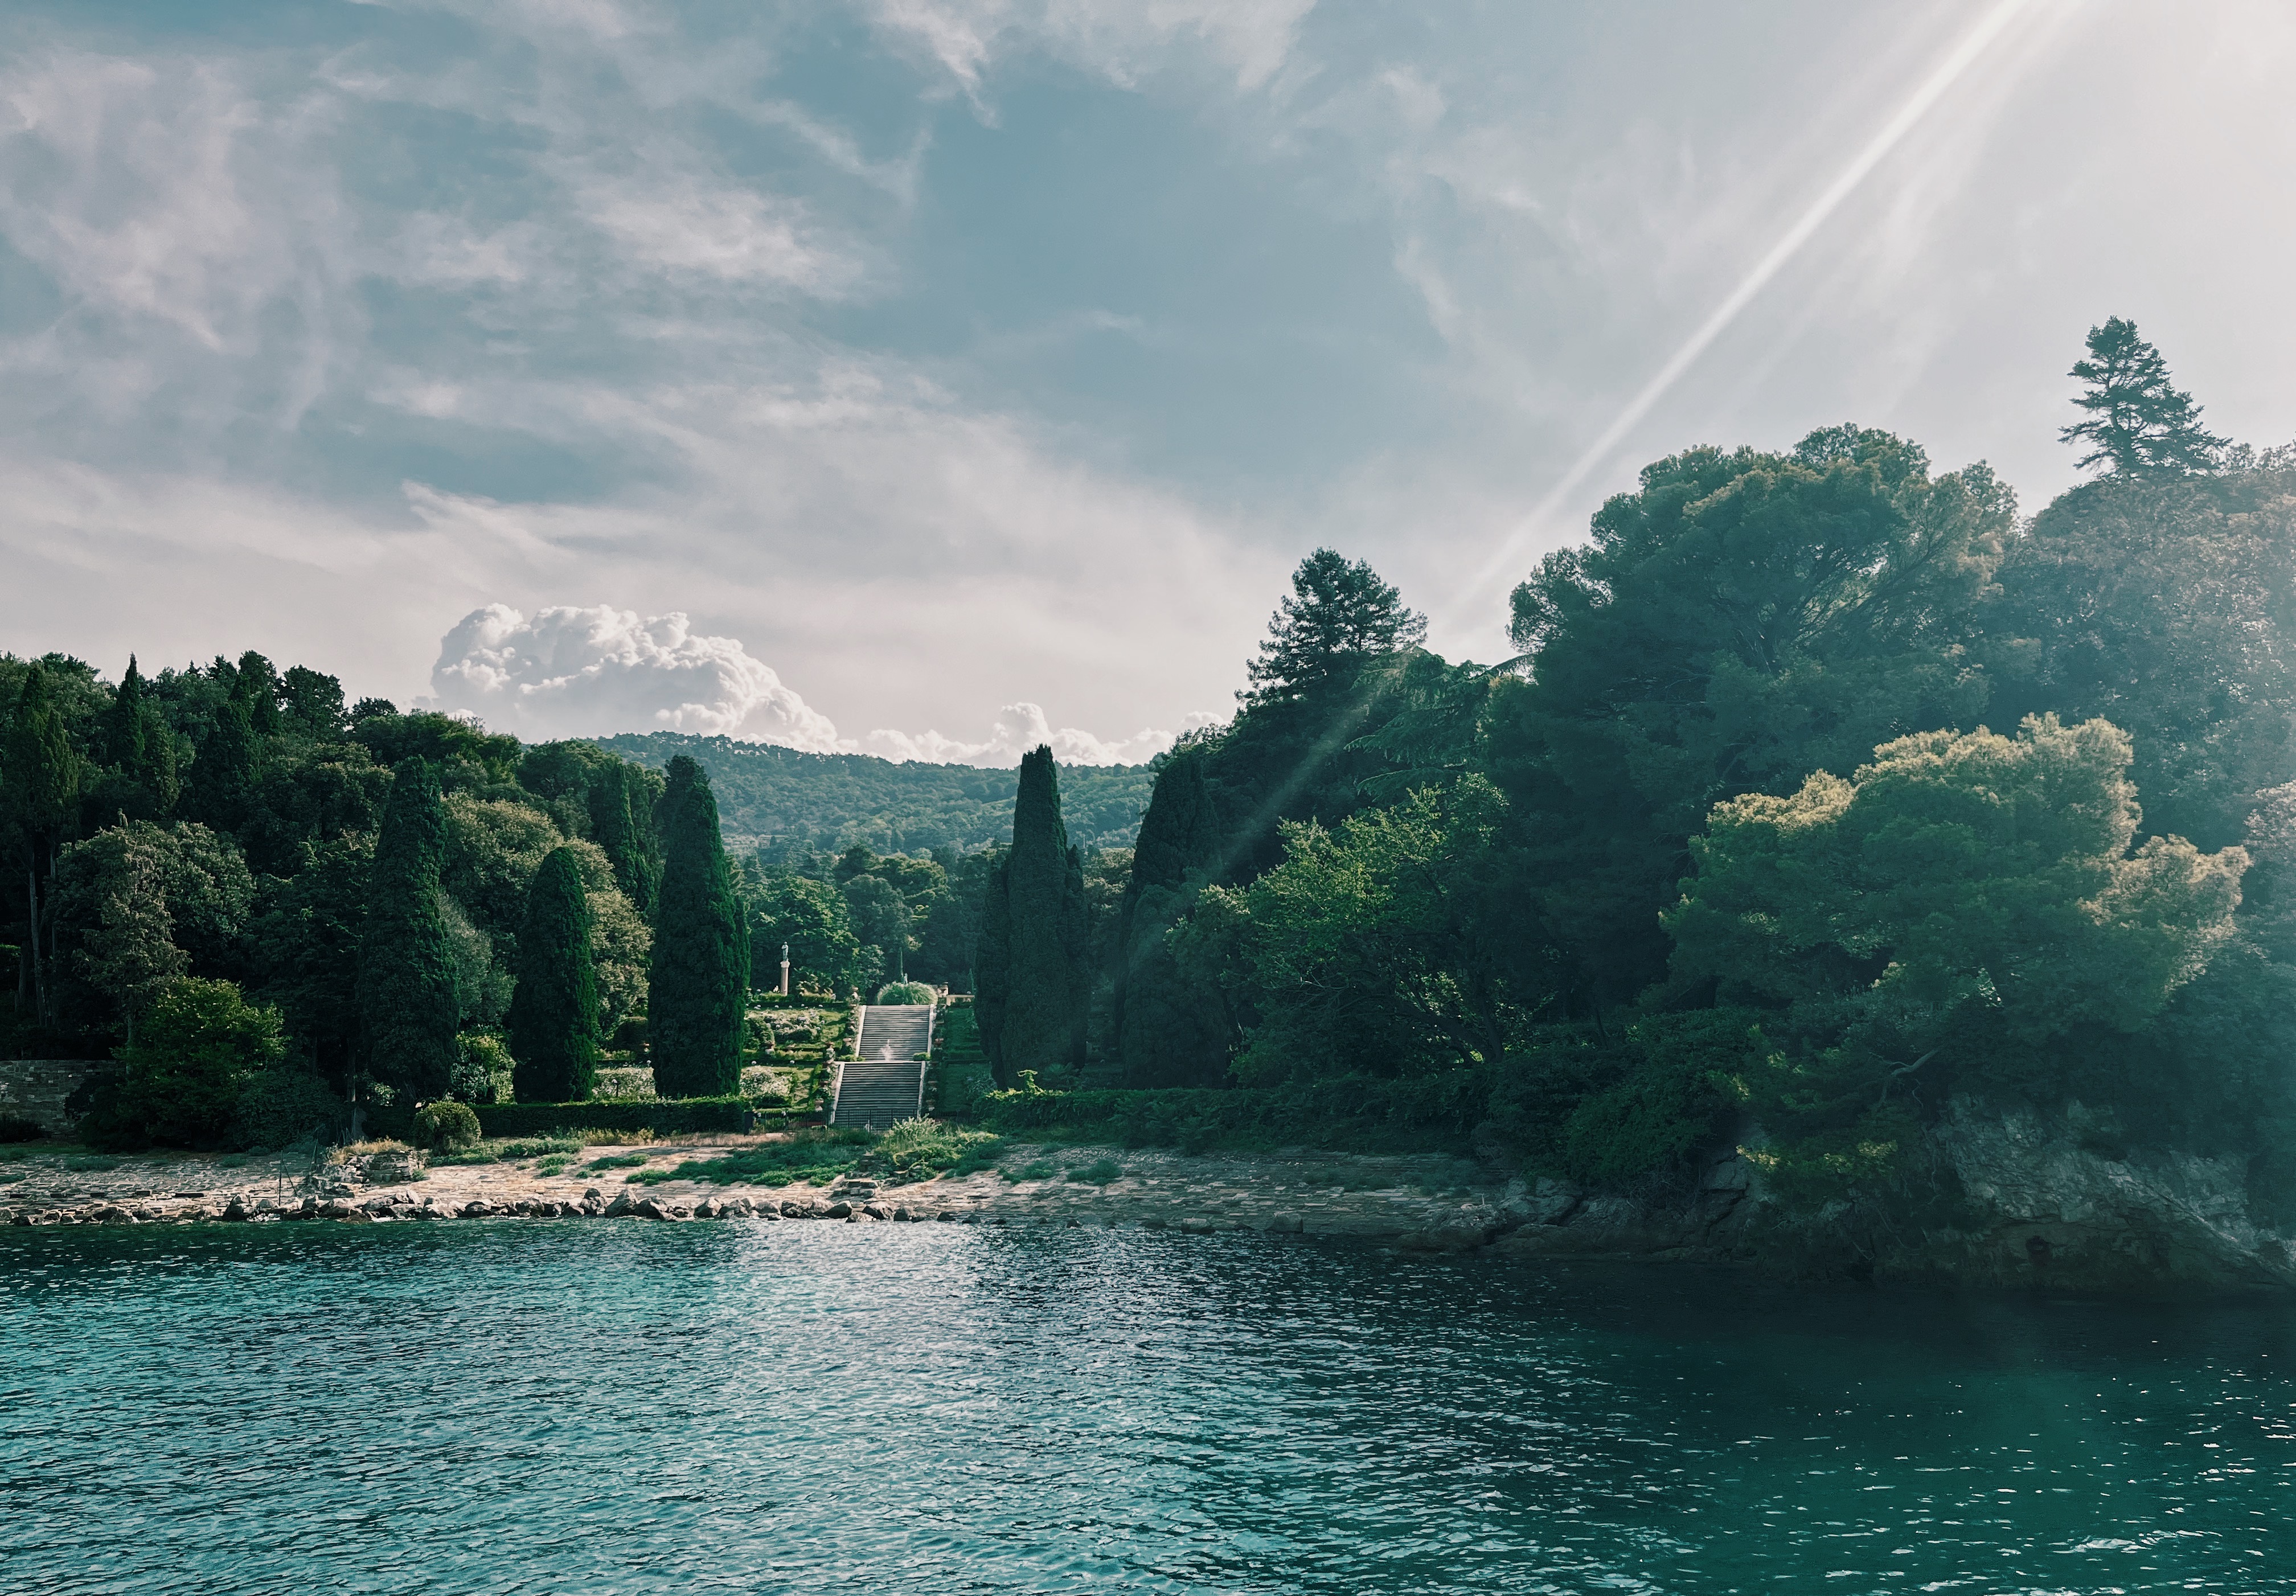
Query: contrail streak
point(1925, 94)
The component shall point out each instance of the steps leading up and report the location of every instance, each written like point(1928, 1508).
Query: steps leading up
point(884, 1083)
point(877, 1094)
point(892, 1031)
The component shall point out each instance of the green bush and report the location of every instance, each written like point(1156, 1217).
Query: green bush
point(183, 1078)
point(664, 1116)
point(1682, 1083)
point(904, 992)
point(1437, 1112)
point(482, 1068)
point(278, 1107)
point(623, 1084)
point(1100, 1172)
point(447, 1126)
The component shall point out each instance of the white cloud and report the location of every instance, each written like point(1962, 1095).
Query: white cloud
point(1018, 728)
point(733, 234)
point(574, 672)
point(588, 671)
point(1120, 39)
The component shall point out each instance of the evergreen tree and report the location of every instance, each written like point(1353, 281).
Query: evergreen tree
point(992, 965)
point(1167, 1033)
point(312, 703)
point(224, 774)
point(554, 1017)
point(700, 982)
point(1339, 616)
point(407, 999)
point(1046, 983)
point(257, 687)
point(41, 775)
point(141, 752)
point(621, 798)
point(2137, 425)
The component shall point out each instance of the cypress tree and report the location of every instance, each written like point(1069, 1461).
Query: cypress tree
point(992, 963)
point(407, 1001)
point(698, 992)
point(621, 805)
point(222, 775)
point(41, 775)
point(1048, 971)
point(137, 745)
point(1166, 1035)
point(554, 1015)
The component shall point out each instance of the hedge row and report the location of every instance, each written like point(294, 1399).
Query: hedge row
point(664, 1116)
point(1426, 1112)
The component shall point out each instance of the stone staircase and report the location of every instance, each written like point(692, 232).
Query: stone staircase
point(884, 1083)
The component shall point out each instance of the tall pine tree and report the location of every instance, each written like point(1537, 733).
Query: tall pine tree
point(1034, 965)
point(1167, 1033)
point(554, 1015)
point(2139, 426)
point(141, 752)
point(697, 992)
point(406, 996)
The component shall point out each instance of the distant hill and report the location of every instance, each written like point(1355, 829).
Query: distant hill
point(783, 800)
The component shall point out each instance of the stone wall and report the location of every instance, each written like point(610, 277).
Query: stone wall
point(35, 1089)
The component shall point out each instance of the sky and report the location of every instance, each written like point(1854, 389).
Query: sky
point(934, 379)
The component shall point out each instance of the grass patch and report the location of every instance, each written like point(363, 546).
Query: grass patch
point(915, 1149)
point(553, 1165)
point(538, 1147)
point(469, 1154)
point(1100, 1172)
point(619, 1161)
point(817, 1153)
point(1042, 1169)
point(233, 1161)
point(94, 1161)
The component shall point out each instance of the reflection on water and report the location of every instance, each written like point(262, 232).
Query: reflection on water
point(567, 1407)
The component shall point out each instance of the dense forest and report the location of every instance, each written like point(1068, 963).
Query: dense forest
point(1825, 795)
point(782, 805)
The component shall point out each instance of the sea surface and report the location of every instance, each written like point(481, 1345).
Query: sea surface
point(561, 1406)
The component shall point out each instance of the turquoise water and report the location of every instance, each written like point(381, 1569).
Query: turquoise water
point(567, 1407)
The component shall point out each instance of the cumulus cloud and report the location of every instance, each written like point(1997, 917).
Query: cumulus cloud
point(592, 671)
point(574, 672)
point(1021, 727)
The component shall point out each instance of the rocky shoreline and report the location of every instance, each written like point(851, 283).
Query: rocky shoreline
point(2040, 1206)
point(1435, 1203)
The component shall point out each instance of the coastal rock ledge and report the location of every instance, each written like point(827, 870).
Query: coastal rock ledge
point(2022, 1199)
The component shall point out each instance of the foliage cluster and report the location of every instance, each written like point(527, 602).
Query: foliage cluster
point(814, 1154)
point(1729, 850)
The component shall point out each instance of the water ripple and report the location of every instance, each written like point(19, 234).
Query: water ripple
point(616, 1408)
